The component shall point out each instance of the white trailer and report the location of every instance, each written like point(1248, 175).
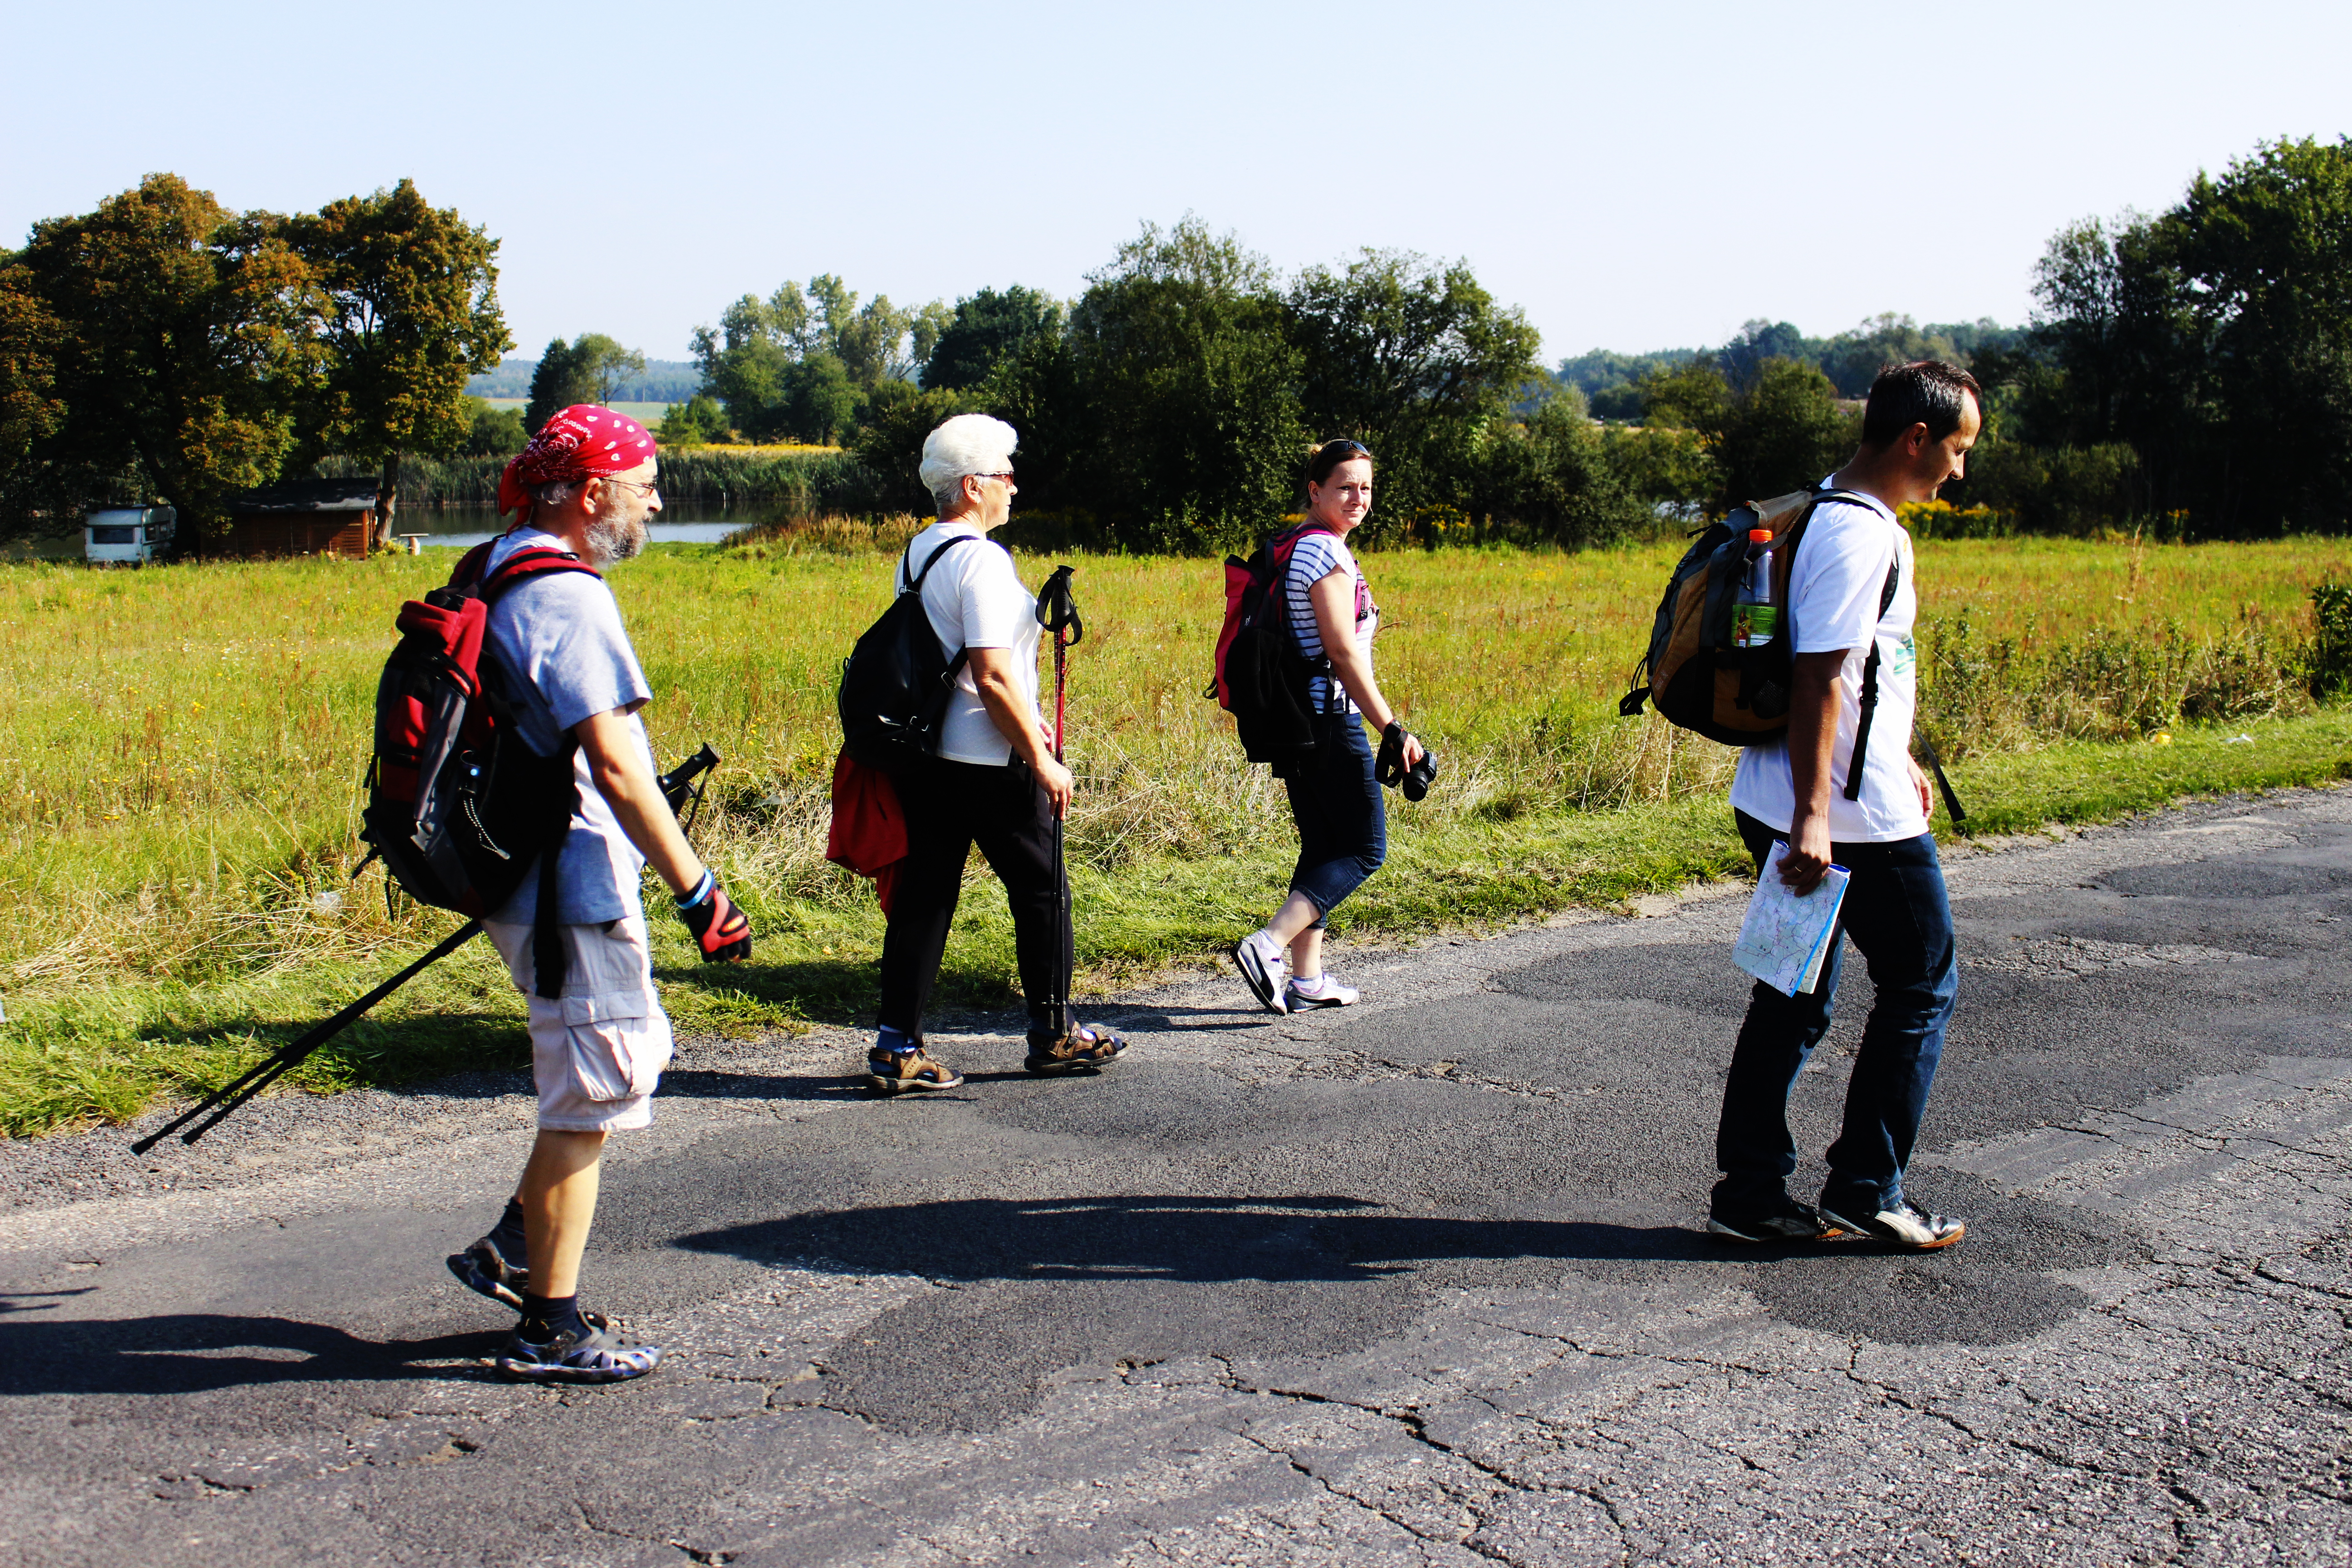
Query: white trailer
point(126, 534)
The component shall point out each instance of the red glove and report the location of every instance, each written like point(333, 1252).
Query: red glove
point(719, 928)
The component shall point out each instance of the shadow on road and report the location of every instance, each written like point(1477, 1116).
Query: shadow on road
point(199, 1352)
point(1186, 1238)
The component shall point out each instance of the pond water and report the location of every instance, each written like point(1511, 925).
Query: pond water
point(461, 527)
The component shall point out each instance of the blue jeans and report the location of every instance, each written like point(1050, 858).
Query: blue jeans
point(1343, 829)
point(1897, 913)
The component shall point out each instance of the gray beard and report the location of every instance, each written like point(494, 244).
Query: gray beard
point(612, 537)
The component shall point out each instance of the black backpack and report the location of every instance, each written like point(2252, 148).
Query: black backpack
point(1261, 677)
point(895, 683)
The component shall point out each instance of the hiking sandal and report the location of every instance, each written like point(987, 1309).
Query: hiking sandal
point(480, 1268)
point(603, 1354)
point(1086, 1045)
point(906, 1072)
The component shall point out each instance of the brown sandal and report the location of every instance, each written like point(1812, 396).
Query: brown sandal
point(901, 1072)
point(1086, 1045)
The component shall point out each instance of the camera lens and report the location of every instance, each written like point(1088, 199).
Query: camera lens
point(1423, 772)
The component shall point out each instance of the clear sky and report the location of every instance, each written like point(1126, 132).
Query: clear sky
point(1635, 176)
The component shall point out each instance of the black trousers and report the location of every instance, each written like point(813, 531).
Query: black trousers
point(949, 808)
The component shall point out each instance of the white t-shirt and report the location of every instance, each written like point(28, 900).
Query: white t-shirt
point(1315, 557)
point(975, 600)
point(1834, 590)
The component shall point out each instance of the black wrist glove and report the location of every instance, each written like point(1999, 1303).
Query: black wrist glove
point(719, 928)
point(1388, 768)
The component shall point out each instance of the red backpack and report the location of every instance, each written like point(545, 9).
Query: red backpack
point(1261, 676)
point(458, 805)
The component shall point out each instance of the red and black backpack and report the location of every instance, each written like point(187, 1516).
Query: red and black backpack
point(458, 805)
point(1262, 676)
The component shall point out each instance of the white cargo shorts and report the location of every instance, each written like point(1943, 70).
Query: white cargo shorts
point(596, 1053)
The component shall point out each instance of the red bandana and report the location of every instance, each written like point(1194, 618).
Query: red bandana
point(582, 442)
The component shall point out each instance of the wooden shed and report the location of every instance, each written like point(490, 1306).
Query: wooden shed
point(303, 517)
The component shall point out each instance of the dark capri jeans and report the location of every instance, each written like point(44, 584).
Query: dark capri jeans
point(1343, 830)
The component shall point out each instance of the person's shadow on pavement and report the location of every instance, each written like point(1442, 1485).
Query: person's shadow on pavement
point(199, 1352)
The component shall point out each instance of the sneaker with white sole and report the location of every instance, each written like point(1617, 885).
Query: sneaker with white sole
point(1327, 993)
point(1783, 1219)
point(1260, 958)
point(1903, 1227)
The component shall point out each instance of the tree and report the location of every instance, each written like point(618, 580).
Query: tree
point(1743, 358)
point(494, 432)
point(562, 379)
point(1411, 360)
point(802, 365)
point(984, 329)
point(1181, 426)
point(408, 306)
point(605, 364)
point(1779, 435)
point(1552, 478)
point(697, 422)
point(2263, 256)
point(161, 341)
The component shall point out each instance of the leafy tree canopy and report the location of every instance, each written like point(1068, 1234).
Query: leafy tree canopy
point(984, 329)
point(564, 377)
point(158, 345)
point(408, 311)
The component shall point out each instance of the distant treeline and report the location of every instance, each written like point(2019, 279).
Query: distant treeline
point(792, 484)
point(662, 381)
point(2188, 374)
point(1611, 381)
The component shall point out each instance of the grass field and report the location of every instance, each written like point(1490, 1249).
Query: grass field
point(178, 780)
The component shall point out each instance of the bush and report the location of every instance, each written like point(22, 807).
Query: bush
point(698, 422)
point(2331, 649)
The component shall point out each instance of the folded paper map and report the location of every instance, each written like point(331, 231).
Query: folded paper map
point(1785, 939)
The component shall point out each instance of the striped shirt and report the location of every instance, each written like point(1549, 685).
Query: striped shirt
point(1316, 557)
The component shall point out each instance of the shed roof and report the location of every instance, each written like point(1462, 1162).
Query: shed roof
point(304, 495)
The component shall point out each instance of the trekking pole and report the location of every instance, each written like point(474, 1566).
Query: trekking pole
point(1058, 613)
point(235, 1094)
point(678, 787)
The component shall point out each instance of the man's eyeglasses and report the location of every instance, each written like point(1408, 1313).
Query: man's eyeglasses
point(650, 489)
point(1006, 476)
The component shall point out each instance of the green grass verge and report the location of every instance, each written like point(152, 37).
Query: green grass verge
point(113, 1049)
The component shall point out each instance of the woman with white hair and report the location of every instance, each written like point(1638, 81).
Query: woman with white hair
point(993, 781)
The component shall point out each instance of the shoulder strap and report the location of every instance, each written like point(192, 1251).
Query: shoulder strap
point(1869, 701)
point(915, 582)
point(524, 565)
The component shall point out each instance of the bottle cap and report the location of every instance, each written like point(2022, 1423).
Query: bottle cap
point(1759, 536)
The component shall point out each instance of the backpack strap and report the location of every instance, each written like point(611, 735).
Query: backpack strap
point(915, 586)
point(1869, 687)
point(525, 565)
point(1279, 550)
point(537, 560)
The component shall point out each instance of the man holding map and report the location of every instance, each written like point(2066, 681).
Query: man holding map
point(1851, 592)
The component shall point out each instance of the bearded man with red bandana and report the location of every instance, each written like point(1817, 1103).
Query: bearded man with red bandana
point(581, 493)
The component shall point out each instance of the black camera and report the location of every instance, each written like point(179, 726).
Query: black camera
point(1419, 776)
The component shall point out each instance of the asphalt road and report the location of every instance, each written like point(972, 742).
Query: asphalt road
point(1414, 1283)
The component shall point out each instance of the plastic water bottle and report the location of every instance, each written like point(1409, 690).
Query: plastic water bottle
point(1755, 620)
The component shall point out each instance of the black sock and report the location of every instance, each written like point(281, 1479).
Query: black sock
point(544, 1317)
point(507, 1236)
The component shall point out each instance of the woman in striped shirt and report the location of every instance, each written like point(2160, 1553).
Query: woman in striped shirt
point(1334, 799)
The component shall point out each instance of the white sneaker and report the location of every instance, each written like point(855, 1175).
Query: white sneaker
point(1323, 991)
point(1262, 962)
